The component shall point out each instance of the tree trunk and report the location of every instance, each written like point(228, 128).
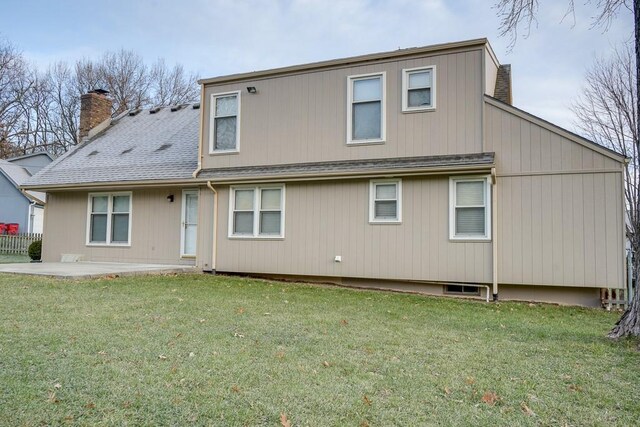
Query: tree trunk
point(629, 323)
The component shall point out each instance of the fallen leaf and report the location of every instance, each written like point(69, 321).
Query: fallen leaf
point(179, 334)
point(162, 357)
point(364, 423)
point(284, 421)
point(52, 397)
point(575, 387)
point(344, 322)
point(240, 310)
point(490, 398)
point(280, 355)
point(470, 380)
point(235, 389)
point(526, 409)
point(447, 391)
point(90, 405)
point(366, 400)
point(325, 363)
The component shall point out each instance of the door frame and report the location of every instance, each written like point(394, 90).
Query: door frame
point(183, 212)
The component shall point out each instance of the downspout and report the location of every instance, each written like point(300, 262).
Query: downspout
point(215, 226)
point(200, 136)
point(494, 230)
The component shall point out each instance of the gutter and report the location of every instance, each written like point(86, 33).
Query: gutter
point(494, 231)
point(214, 247)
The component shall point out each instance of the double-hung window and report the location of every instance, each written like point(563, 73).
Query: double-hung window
point(470, 209)
point(418, 89)
point(385, 201)
point(225, 123)
point(257, 212)
point(366, 108)
point(109, 219)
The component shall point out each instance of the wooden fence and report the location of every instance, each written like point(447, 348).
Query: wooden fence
point(18, 243)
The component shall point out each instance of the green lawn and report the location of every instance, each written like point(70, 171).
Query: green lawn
point(206, 350)
point(11, 258)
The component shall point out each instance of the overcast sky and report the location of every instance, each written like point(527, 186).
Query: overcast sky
point(217, 37)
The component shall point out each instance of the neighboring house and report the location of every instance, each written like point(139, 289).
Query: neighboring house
point(406, 170)
point(23, 208)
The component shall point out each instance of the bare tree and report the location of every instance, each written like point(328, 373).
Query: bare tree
point(40, 110)
point(606, 113)
point(622, 112)
point(172, 86)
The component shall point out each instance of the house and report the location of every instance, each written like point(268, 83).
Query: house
point(407, 170)
point(23, 208)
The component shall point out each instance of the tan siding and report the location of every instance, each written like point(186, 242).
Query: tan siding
point(302, 118)
point(490, 74)
point(522, 146)
point(328, 219)
point(561, 230)
point(155, 228)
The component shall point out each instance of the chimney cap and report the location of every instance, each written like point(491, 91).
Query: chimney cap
point(99, 91)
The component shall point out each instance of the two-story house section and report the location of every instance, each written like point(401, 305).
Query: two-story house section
point(405, 170)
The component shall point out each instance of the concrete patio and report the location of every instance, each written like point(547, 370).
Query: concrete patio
point(85, 270)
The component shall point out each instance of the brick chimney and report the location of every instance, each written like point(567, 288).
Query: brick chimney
point(95, 108)
point(503, 84)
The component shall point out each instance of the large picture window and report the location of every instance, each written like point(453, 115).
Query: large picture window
point(257, 212)
point(109, 221)
point(470, 205)
point(225, 123)
point(366, 109)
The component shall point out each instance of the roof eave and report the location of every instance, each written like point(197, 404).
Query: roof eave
point(346, 61)
point(368, 173)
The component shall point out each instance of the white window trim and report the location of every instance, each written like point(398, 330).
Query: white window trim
point(257, 194)
point(372, 199)
point(109, 214)
point(383, 109)
point(183, 220)
point(452, 209)
point(212, 123)
point(405, 89)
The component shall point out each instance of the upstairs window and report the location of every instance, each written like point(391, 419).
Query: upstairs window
point(366, 109)
point(385, 201)
point(418, 89)
point(257, 212)
point(225, 122)
point(109, 219)
point(470, 201)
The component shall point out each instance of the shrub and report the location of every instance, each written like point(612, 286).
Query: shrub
point(35, 250)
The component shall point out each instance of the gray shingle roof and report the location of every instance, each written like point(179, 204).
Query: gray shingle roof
point(18, 175)
point(144, 146)
point(350, 166)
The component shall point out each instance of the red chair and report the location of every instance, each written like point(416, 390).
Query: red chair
point(3, 228)
point(13, 228)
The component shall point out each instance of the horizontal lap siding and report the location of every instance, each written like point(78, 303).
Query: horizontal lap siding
point(155, 228)
point(331, 218)
point(559, 207)
point(303, 118)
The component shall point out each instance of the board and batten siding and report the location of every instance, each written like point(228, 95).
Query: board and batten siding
point(329, 218)
point(155, 228)
point(302, 117)
point(560, 218)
